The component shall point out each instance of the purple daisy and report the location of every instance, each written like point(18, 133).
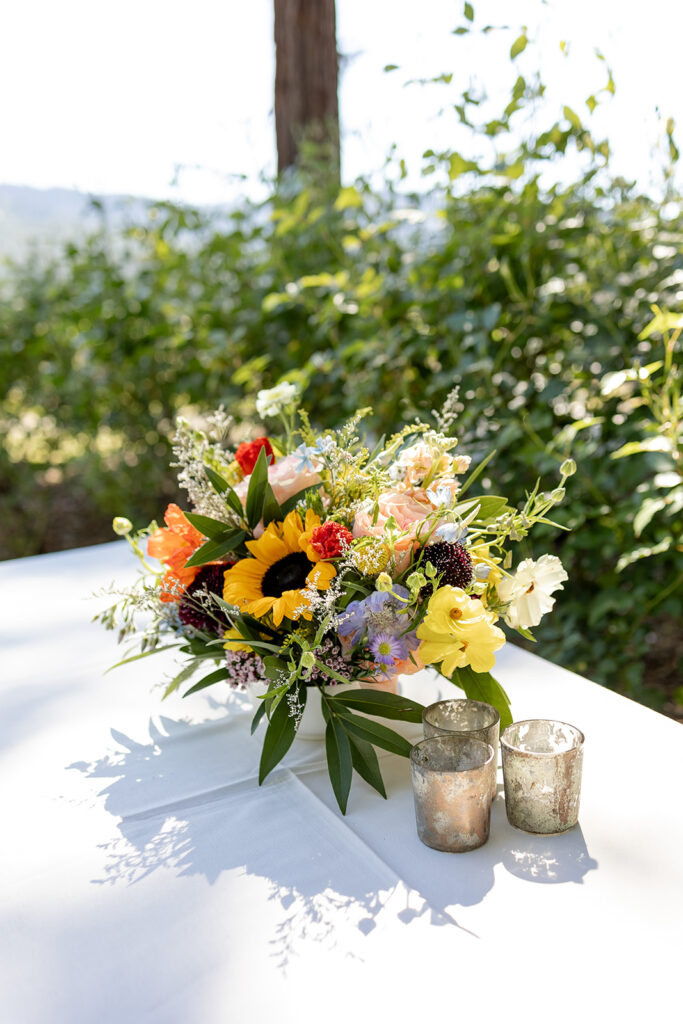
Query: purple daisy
point(387, 650)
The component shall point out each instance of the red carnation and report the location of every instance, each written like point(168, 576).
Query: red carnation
point(330, 540)
point(248, 452)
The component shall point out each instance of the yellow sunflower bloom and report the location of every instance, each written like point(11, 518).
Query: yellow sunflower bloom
point(458, 631)
point(275, 578)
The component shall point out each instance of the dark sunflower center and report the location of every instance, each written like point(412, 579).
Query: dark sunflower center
point(288, 574)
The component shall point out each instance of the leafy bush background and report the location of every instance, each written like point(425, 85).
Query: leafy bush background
point(527, 295)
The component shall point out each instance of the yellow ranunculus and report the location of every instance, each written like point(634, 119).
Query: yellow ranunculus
point(458, 631)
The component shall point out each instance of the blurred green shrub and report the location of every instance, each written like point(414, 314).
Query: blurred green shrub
point(527, 295)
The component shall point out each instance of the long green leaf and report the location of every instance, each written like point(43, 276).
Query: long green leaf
point(364, 760)
point(223, 487)
point(143, 654)
point(339, 763)
point(212, 528)
point(278, 739)
point(482, 686)
point(475, 473)
point(260, 712)
point(378, 702)
point(271, 508)
point(214, 550)
point(257, 489)
point(184, 674)
point(213, 677)
point(373, 732)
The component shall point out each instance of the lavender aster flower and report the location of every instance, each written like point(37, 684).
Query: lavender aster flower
point(387, 650)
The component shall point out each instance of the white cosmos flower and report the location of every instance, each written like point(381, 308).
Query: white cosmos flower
point(529, 590)
point(273, 400)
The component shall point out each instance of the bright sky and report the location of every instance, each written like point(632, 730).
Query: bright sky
point(115, 97)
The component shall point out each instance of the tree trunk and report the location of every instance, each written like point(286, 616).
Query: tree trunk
point(306, 107)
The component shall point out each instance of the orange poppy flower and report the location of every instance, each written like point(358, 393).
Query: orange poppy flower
point(174, 545)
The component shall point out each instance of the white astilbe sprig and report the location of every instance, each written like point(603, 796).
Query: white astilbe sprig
point(452, 407)
point(193, 450)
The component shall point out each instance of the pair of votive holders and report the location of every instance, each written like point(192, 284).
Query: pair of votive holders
point(454, 774)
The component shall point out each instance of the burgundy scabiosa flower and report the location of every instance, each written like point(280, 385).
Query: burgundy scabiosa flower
point(196, 609)
point(452, 563)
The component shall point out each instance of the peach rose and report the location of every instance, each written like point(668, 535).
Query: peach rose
point(409, 509)
point(285, 479)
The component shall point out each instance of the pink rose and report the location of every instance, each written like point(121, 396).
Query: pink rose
point(409, 509)
point(285, 479)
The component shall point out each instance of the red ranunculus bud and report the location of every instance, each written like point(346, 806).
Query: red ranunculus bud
point(331, 540)
point(248, 452)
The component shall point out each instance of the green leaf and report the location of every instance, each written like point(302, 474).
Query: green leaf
point(490, 506)
point(274, 667)
point(257, 489)
point(518, 46)
point(277, 740)
point(214, 550)
point(645, 552)
point(373, 732)
point(458, 165)
point(271, 508)
point(469, 12)
point(573, 118)
point(223, 487)
point(645, 513)
point(652, 444)
point(184, 674)
point(482, 686)
point(378, 702)
point(364, 760)
point(213, 677)
point(339, 763)
point(260, 712)
point(287, 506)
point(143, 654)
point(475, 473)
point(212, 528)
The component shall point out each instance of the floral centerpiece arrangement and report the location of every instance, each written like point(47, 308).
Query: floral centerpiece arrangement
point(311, 560)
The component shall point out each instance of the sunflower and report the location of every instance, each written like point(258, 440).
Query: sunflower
point(276, 577)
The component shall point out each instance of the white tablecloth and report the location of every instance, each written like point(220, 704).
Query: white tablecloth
point(146, 876)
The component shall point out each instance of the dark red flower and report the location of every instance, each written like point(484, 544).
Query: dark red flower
point(248, 452)
point(330, 540)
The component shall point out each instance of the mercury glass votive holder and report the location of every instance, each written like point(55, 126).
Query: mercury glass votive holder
point(542, 762)
point(470, 718)
point(452, 789)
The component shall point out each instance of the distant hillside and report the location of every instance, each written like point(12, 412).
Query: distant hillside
point(33, 216)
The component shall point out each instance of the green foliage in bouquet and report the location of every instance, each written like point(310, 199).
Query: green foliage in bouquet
point(313, 565)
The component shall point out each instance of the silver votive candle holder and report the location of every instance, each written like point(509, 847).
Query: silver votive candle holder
point(468, 718)
point(452, 789)
point(542, 762)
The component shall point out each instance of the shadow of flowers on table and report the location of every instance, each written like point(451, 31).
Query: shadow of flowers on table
point(188, 804)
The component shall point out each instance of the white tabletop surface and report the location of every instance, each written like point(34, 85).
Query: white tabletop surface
point(146, 877)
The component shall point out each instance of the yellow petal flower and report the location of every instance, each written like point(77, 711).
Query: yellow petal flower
point(275, 577)
point(458, 631)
